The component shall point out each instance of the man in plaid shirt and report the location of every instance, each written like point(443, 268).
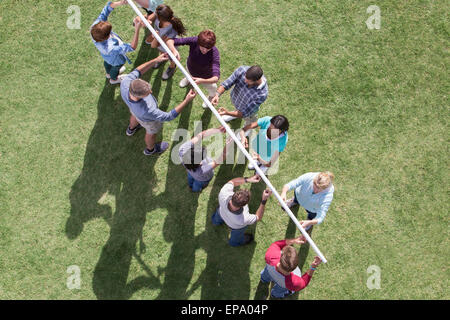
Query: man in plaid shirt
point(249, 92)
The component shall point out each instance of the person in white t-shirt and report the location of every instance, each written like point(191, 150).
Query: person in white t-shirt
point(233, 210)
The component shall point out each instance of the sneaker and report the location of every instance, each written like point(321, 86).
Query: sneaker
point(118, 80)
point(168, 73)
point(290, 203)
point(204, 105)
point(247, 238)
point(122, 70)
point(157, 149)
point(183, 83)
point(251, 167)
point(227, 118)
point(130, 131)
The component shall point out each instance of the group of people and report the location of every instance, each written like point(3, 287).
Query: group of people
point(249, 89)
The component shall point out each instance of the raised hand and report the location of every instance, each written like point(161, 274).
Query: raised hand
point(190, 95)
point(255, 179)
point(266, 193)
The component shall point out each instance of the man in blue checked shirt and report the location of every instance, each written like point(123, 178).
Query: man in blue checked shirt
point(249, 92)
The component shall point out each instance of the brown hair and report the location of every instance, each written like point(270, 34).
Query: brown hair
point(240, 198)
point(206, 39)
point(289, 258)
point(165, 13)
point(140, 88)
point(101, 31)
point(254, 73)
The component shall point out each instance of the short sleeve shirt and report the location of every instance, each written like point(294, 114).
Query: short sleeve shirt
point(263, 145)
point(233, 220)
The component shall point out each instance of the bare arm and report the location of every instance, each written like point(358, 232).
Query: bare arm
point(143, 68)
point(189, 97)
point(137, 28)
point(238, 181)
point(260, 212)
point(244, 140)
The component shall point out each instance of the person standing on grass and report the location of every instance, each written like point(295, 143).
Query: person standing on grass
point(249, 92)
point(270, 141)
point(168, 28)
point(233, 210)
point(282, 268)
point(200, 167)
point(137, 95)
point(112, 49)
point(314, 192)
point(203, 62)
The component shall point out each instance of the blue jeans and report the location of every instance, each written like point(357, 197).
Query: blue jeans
point(237, 235)
point(311, 215)
point(277, 291)
point(113, 71)
point(196, 185)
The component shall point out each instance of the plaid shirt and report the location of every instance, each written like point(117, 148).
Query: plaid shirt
point(247, 100)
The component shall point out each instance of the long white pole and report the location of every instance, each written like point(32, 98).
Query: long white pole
point(229, 131)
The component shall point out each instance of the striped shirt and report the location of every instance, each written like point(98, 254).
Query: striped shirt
point(246, 99)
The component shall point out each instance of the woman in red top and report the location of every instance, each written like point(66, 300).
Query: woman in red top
point(282, 268)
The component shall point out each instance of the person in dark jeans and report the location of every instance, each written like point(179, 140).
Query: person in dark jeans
point(233, 210)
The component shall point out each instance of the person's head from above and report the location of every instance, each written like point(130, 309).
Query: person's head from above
point(239, 199)
point(322, 181)
point(278, 125)
point(253, 76)
point(165, 14)
point(288, 260)
point(139, 89)
point(206, 41)
point(101, 31)
point(193, 157)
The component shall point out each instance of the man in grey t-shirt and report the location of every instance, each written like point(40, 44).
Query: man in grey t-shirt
point(137, 94)
point(233, 210)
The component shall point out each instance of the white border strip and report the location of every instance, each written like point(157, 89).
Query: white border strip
point(229, 131)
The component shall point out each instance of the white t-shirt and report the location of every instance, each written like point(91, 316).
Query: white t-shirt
point(234, 221)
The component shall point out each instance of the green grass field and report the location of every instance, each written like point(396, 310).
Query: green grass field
point(369, 105)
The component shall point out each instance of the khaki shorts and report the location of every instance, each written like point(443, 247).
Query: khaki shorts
point(151, 127)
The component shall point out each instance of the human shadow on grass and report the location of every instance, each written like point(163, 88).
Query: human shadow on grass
point(179, 224)
point(108, 151)
point(226, 275)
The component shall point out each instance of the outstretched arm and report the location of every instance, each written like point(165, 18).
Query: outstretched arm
point(143, 68)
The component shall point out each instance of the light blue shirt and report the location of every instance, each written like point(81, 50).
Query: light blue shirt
point(113, 50)
point(314, 202)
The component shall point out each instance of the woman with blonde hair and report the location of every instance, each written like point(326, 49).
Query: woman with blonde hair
point(314, 192)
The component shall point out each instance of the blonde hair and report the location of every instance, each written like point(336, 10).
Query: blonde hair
point(323, 180)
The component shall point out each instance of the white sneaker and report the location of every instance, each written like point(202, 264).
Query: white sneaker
point(204, 105)
point(251, 167)
point(183, 83)
point(119, 79)
point(122, 70)
point(227, 118)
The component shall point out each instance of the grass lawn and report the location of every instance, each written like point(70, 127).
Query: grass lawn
point(369, 105)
